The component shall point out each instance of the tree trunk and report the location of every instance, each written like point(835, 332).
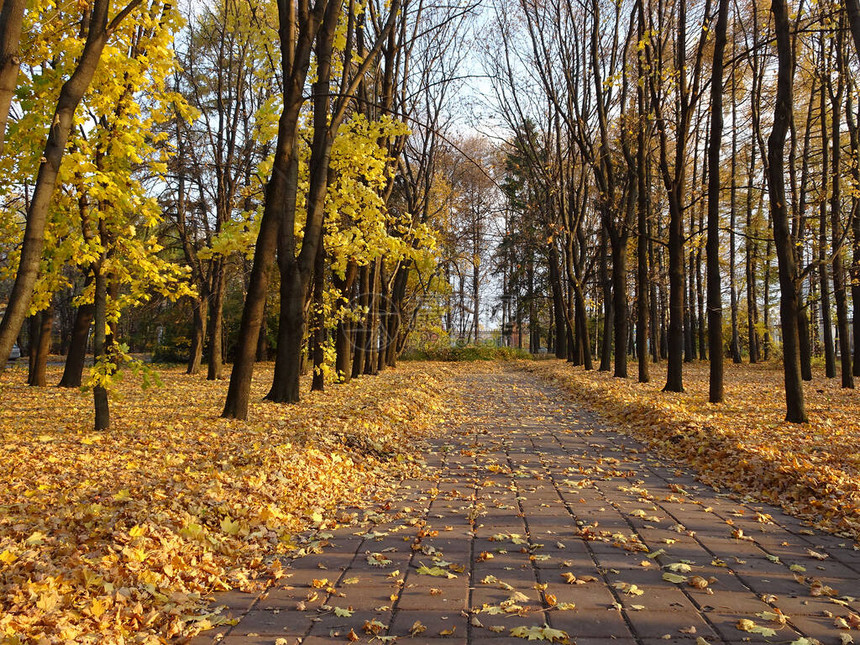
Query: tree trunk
point(198, 334)
point(656, 343)
point(42, 344)
point(733, 291)
point(853, 10)
point(297, 268)
point(751, 268)
point(11, 22)
point(216, 323)
point(318, 321)
point(100, 398)
point(767, 337)
point(396, 315)
point(642, 286)
point(533, 323)
point(839, 293)
point(855, 232)
point(287, 349)
point(619, 305)
point(382, 308)
point(826, 319)
point(785, 249)
point(362, 332)
point(804, 345)
point(263, 340)
point(557, 302)
point(344, 342)
point(690, 320)
point(716, 393)
point(371, 353)
point(674, 370)
point(689, 311)
point(798, 231)
point(288, 362)
point(74, 367)
point(608, 309)
point(700, 296)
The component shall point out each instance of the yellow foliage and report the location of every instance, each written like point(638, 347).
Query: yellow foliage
point(123, 535)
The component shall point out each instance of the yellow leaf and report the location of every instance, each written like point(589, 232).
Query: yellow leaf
point(97, 608)
point(544, 633)
point(137, 531)
point(679, 567)
point(122, 496)
point(747, 625)
point(424, 570)
point(230, 527)
point(674, 578)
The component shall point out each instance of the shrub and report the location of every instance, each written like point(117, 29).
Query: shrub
point(173, 350)
point(488, 352)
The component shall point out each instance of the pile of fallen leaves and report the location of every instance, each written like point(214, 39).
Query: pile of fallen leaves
point(119, 536)
point(811, 470)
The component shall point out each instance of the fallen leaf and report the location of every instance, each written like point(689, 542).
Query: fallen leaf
point(674, 578)
point(747, 625)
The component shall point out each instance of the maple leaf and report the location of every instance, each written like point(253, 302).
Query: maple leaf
point(378, 560)
point(544, 633)
point(674, 578)
point(373, 627)
point(747, 625)
point(424, 570)
point(679, 567)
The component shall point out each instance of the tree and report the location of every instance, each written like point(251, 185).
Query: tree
point(226, 75)
point(302, 30)
point(785, 247)
point(99, 29)
point(715, 304)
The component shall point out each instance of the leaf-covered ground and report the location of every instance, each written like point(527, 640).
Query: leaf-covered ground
point(811, 470)
point(119, 536)
point(536, 521)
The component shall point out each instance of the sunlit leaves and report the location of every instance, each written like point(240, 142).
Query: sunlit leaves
point(538, 633)
point(127, 531)
point(746, 447)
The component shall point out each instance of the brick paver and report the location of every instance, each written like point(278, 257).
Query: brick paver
point(539, 516)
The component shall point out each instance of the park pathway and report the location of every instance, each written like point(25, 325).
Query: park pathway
point(541, 522)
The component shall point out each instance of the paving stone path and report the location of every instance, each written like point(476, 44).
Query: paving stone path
point(539, 519)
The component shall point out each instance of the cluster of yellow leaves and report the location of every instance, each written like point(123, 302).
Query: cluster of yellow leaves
point(811, 470)
point(121, 536)
point(119, 128)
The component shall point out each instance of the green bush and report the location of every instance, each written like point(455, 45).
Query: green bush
point(173, 350)
point(452, 353)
